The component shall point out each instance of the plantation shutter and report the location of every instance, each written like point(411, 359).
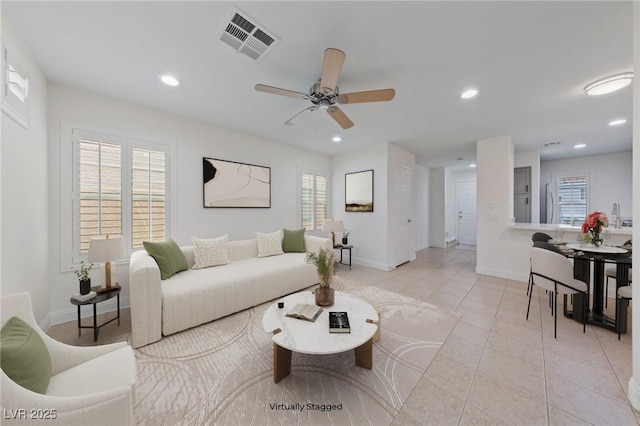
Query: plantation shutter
point(148, 182)
point(314, 201)
point(572, 199)
point(100, 185)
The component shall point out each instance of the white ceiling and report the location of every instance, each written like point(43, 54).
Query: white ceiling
point(529, 60)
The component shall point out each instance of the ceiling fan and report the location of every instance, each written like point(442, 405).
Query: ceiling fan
point(324, 94)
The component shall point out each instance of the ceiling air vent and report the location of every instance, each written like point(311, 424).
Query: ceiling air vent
point(247, 36)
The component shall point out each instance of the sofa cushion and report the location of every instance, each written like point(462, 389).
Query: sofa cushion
point(24, 356)
point(168, 256)
point(210, 252)
point(293, 241)
point(269, 244)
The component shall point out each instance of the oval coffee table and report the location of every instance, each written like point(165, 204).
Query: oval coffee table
point(296, 335)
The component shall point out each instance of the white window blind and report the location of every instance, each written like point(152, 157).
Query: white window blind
point(314, 200)
point(148, 179)
point(100, 190)
point(572, 199)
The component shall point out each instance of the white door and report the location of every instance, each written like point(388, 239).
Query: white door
point(467, 213)
point(402, 188)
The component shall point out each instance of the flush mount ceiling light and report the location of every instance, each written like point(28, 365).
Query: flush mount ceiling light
point(617, 122)
point(169, 80)
point(469, 93)
point(580, 145)
point(609, 84)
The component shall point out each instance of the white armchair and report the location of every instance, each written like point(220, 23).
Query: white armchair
point(89, 385)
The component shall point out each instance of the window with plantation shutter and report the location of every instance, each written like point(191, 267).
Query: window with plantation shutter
point(572, 194)
point(100, 180)
point(120, 187)
point(148, 191)
point(314, 200)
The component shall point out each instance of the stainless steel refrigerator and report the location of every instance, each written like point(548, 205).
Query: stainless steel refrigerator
point(547, 204)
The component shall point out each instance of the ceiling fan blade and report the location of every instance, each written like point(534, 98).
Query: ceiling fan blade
point(369, 96)
point(278, 91)
point(301, 114)
point(331, 69)
point(340, 117)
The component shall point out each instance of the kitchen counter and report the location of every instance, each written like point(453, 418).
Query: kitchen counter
point(554, 227)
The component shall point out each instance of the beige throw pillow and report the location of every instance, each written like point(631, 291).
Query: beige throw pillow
point(269, 244)
point(210, 252)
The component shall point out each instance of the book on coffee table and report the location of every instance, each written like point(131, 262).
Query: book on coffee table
point(339, 322)
point(305, 312)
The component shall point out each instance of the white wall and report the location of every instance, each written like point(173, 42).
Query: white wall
point(497, 254)
point(191, 141)
point(421, 194)
point(437, 203)
point(369, 233)
point(611, 178)
point(25, 194)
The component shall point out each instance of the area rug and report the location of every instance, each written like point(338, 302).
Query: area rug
point(221, 373)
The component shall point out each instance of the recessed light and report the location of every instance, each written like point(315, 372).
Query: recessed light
point(609, 84)
point(468, 94)
point(617, 122)
point(169, 80)
point(337, 139)
point(472, 165)
point(580, 145)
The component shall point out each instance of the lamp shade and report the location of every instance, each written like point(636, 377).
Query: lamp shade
point(106, 249)
point(331, 225)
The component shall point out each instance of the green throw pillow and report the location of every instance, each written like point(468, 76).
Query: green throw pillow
point(168, 256)
point(293, 241)
point(24, 356)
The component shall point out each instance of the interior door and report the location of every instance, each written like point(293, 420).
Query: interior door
point(402, 188)
point(467, 231)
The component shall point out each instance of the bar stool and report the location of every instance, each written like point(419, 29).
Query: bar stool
point(624, 296)
point(610, 272)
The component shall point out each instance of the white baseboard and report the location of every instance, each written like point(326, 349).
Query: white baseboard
point(71, 314)
point(501, 273)
point(634, 393)
point(422, 247)
point(371, 264)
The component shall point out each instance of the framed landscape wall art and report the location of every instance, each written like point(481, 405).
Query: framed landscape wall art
point(231, 184)
point(358, 191)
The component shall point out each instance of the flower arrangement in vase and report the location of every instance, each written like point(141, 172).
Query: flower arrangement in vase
point(592, 226)
point(326, 267)
point(345, 237)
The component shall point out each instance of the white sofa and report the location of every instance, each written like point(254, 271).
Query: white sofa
point(197, 296)
point(89, 385)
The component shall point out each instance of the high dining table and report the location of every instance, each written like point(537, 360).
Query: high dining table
point(586, 255)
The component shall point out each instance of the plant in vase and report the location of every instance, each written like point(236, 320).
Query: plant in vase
point(345, 237)
point(83, 277)
point(592, 226)
point(326, 267)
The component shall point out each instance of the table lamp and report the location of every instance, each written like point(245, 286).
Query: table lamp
point(106, 249)
point(332, 226)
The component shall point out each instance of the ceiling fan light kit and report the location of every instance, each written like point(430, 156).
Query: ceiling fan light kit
point(325, 94)
point(609, 84)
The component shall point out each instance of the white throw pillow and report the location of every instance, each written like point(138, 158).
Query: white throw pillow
point(269, 244)
point(210, 252)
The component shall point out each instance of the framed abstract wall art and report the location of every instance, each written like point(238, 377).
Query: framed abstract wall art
point(358, 191)
point(232, 184)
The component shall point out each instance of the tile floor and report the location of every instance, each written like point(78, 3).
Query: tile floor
point(495, 368)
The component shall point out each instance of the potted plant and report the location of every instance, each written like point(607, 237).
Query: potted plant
point(326, 267)
point(345, 237)
point(83, 277)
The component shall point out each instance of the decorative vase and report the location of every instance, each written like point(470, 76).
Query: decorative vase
point(345, 240)
point(324, 296)
point(85, 286)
